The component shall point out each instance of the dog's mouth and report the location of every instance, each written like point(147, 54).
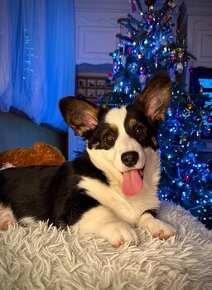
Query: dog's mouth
point(132, 182)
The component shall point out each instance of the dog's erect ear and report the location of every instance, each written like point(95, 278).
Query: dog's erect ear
point(79, 114)
point(156, 97)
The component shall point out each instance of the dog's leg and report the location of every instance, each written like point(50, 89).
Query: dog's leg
point(155, 226)
point(6, 217)
point(102, 222)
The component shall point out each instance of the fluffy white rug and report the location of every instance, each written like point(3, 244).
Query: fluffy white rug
point(41, 257)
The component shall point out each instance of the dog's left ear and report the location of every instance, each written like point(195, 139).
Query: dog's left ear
point(156, 97)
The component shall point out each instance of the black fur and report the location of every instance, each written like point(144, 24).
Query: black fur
point(148, 129)
point(103, 137)
point(49, 192)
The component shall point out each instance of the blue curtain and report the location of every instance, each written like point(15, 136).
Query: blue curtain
point(37, 57)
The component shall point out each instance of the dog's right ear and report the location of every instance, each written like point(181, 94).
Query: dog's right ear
point(79, 114)
point(156, 96)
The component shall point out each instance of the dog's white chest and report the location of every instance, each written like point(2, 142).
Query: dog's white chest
point(128, 208)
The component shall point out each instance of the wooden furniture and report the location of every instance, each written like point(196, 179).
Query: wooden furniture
point(93, 88)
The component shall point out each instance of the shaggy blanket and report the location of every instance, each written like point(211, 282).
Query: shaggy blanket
point(42, 257)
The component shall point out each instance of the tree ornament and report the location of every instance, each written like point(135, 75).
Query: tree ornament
point(110, 76)
point(186, 113)
point(133, 5)
point(190, 106)
point(209, 119)
point(150, 19)
point(184, 139)
point(129, 50)
point(142, 69)
point(185, 63)
point(186, 178)
point(142, 78)
point(140, 55)
point(178, 116)
point(150, 2)
point(198, 119)
point(179, 68)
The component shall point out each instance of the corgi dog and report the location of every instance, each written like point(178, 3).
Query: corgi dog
point(112, 188)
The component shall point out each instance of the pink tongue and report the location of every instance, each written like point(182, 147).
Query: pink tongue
point(132, 182)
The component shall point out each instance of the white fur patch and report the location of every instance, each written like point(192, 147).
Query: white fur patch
point(107, 226)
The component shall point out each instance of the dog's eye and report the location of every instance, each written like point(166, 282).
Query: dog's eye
point(139, 129)
point(109, 137)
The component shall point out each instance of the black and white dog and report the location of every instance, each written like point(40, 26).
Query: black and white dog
point(112, 188)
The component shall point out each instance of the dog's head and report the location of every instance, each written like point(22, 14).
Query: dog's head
point(117, 138)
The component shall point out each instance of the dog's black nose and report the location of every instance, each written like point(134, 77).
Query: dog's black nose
point(129, 158)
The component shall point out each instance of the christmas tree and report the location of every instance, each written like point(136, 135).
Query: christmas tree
point(147, 44)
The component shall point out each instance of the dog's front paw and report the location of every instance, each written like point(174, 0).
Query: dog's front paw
point(118, 233)
point(160, 229)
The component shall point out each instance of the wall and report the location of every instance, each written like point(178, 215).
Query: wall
point(198, 16)
point(17, 131)
point(96, 27)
